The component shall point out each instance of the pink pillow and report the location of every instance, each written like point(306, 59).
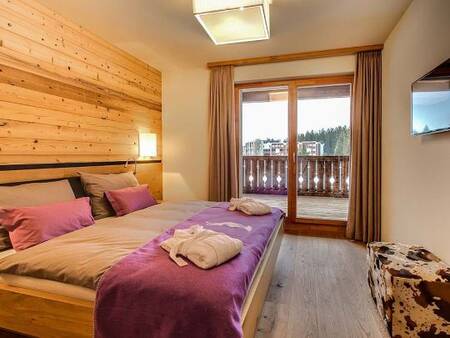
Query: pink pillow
point(130, 199)
point(29, 226)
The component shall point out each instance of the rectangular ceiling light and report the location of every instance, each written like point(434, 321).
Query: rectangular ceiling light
point(233, 21)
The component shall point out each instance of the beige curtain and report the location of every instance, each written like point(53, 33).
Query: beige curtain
point(365, 192)
point(223, 156)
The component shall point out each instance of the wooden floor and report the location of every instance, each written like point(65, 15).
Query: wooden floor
point(319, 290)
point(309, 206)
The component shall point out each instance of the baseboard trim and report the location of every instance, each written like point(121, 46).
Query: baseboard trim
point(316, 230)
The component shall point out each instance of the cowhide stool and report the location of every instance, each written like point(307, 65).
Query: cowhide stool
point(411, 288)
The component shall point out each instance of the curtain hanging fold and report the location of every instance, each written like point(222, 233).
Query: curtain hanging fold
point(364, 220)
point(223, 153)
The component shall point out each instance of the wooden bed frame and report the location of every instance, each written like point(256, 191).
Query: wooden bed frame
point(43, 314)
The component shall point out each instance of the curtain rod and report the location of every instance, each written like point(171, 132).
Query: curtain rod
point(296, 56)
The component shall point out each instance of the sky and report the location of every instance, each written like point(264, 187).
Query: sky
point(270, 119)
point(431, 109)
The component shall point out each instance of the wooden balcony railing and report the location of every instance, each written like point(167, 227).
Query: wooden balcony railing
point(316, 175)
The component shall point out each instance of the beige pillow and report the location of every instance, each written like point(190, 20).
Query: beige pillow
point(29, 195)
point(96, 185)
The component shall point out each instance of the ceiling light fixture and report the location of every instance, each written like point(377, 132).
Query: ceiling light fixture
point(233, 21)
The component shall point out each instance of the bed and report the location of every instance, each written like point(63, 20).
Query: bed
point(37, 304)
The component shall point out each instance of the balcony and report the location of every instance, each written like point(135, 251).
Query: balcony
point(322, 184)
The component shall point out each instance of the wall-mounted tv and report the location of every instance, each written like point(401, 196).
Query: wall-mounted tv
point(431, 102)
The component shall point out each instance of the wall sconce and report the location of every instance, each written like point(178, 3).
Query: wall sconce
point(147, 148)
point(147, 145)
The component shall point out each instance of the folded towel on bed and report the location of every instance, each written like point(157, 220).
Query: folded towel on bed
point(205, 248)
point(249, 206)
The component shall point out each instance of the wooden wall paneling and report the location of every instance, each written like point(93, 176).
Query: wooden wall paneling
point(150, 174)
point(67, 96)
point(18, 74)
point(52, 33)
point(71, 50)
point(42, 16)
point(19, 129)
point(20, 112)
point(14, 94)
point(62, 75)
point(72, 69)
point(11, 146)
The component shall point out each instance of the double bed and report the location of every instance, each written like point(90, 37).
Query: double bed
point(50, 290)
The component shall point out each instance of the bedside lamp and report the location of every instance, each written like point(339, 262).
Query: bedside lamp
point(147, 145)
point(147, 148)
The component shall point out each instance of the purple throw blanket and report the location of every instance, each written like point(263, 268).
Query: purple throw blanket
point(147, 295)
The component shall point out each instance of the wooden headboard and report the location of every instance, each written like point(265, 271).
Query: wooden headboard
point(70, 101)
point(75, 184)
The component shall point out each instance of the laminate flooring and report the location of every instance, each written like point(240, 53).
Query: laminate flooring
point(319, 289)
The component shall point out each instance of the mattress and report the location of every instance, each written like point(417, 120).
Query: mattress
point(179, 212)
point(81, 257)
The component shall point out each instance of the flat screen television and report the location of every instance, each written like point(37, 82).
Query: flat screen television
point(431, 102)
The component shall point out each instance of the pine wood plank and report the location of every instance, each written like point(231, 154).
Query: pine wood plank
point(44, 17)
point(48, 61)
point(44, 315)
point(24, 96)
point(30, 130)
point(16, 74)
point(59, 76)
point(25, 147)
point(24, 113)
point(51, 39)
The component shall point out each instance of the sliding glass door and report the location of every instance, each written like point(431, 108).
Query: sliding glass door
point(323, 150)
point(295, 146)
point(264, 130)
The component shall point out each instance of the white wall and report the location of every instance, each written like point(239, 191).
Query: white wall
point(185, 134)
point(415, 170)
point(185, 118)
point(314, 67)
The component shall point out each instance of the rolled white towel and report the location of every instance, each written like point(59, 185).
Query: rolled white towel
point(249, 206)
point(205, 248)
